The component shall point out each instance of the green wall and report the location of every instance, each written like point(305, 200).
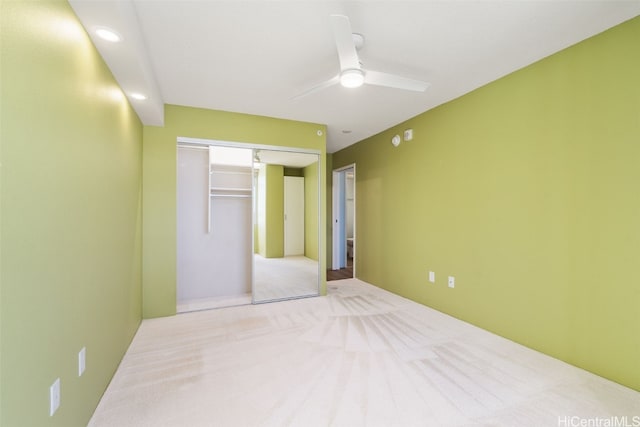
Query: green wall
point(159, 181)
point(271, 211)
point(270, 229)
point(275, 212)
point(310, 174)
point(260, 218)
point(525, 190)
point(71, 211)
point(329, 215)
point(293, 171)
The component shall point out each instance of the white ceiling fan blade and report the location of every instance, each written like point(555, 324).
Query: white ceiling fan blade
point(344, 42)
point(332, 81)
point(378, 78)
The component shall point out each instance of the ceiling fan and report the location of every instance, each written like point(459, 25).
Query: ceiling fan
point(352, 74)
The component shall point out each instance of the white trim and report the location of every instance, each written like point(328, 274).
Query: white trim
point(336, 193)
point(335, 234)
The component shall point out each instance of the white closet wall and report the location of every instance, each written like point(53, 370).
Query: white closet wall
point(214, 220)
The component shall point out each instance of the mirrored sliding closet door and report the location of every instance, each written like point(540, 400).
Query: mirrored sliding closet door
point(286, 215)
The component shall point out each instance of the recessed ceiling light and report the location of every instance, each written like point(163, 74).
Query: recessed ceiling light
point(108, 35)
point(138, 96)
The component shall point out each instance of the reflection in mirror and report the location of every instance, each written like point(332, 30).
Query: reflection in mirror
point(285, 215)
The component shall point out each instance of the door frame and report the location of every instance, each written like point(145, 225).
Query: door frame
point(339, 197)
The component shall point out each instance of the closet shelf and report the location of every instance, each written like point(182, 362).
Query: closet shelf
point(230, 190)
point(227, 172)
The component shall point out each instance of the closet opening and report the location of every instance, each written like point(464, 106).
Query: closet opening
point(247, 224)
point(214, 220)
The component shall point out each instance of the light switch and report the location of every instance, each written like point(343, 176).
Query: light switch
point(54, 397)
point(82, 361)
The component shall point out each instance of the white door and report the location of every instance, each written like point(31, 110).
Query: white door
point(293, 215)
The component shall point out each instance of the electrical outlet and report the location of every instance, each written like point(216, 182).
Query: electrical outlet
point(452, 282)
point(54, 397)
point(82, 361)
point(432, 277)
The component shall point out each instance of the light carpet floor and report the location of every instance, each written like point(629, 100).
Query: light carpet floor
point(358, 357)
point(287, 277)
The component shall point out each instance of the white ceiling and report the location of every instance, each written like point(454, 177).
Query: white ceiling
point(254, 56)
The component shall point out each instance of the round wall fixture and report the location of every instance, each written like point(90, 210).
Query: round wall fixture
point(395, 140)
point(319, 133)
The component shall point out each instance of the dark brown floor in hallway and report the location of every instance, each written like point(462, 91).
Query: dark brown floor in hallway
point(343, 273)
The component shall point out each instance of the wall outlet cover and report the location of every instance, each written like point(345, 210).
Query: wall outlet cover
point(452, 282)
point(432, 277)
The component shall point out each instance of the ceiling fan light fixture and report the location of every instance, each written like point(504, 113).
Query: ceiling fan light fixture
point(352, 78)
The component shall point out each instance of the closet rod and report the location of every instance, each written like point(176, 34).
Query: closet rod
point(238, 189)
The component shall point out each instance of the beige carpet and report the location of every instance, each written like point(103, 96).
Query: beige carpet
point(287, 277)
point(360, 356)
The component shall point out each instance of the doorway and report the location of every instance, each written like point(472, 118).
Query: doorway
point(344, 224)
